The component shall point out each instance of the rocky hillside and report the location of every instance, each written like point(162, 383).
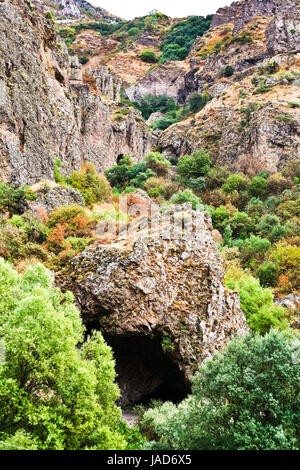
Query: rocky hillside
point(67, 11)
point(49, 111)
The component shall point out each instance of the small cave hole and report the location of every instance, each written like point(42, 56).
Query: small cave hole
point(119, 158)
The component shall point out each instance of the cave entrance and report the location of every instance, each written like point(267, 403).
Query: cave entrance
point(119, 158)
point(145, 372)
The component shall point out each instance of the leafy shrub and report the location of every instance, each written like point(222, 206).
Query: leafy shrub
point(164, 123)
point(198, 164)
point(186, 196)
point(197, 184)
point(257, 304)
point(287, 259)
point(235, 182)
point(158, 163)
point(182, 35)
point(267, 273)
point(92, 186)
point(12, 241)
point(258, 186)
point(65, 215)
point(10, 197)
point(148, 56)
point(220, 217)
point(269, 226)
point(228, 71)
point(35, 230)
point(155, 187)
point(254, 248)
point(197, 101)
point(228, 409)
point(138, 174)
point(58, 177)
point(60, 395)
point(156, 103)
point(241, 224)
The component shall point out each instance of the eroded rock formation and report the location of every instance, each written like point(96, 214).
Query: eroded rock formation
point(159, 299)
point(46, 112)
point(240, 13)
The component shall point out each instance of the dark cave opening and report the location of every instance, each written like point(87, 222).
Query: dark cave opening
point(145, 372)
point(119, 158)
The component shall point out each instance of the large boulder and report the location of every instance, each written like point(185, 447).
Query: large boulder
point(158, 296)
point(50, 198)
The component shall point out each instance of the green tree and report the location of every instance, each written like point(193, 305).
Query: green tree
point(228, 71)
point(193, 166)
point(10, 197)
point(148, 56)
point(258, 186)
point(248, 397)
point(257, 304)
point(157, 162)
point(181, 197)
point(156, 103)
point(196, 101)
point(53, 394)
point(92, 186)
point(269, 226)
point(267, 273)
point(234, 182)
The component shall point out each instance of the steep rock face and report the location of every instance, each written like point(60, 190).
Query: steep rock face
point(283, 34)
point(45, 110)
point(158, 291)
point(240, 13)
point(266, 142)
point(107, 83)
point(75, 9)
point(252, 122)
point(166, 79)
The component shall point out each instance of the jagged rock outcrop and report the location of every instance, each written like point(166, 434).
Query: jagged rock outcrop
point(75, 9)
point(283, 33)
point(165, 79)
point(109, 84)
point(52, 197)
point(252, 122)
point(159, 299)
point(46, 112)
point(240, 13)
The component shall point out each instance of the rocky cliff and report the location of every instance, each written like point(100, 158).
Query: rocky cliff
point(252, 77)
point(240, 13)
point(159, 299)
point(71, 10)
point(48, 112)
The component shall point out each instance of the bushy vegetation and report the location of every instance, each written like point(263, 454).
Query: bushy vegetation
point(53, 394)
point(172, 112)
point(156, 103)
point(148, 56)
point(246, 398)
point(181, 36)
point(10, 197)
point(93, 187)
